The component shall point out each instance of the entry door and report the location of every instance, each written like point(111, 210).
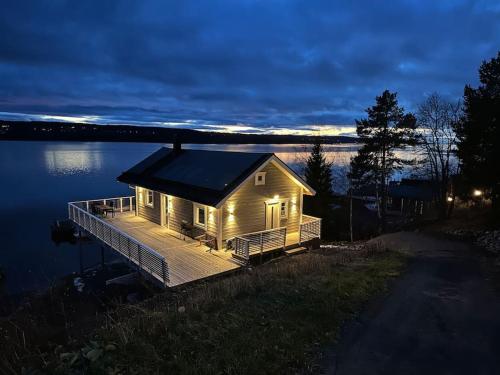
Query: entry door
point(272, 215)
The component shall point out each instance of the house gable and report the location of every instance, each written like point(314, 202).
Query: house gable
point(244, 211)
point(282, 167)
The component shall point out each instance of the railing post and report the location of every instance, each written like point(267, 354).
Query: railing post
point(130, 199)
point(261, 243)
point(87, 205)
point(121, 204)
point(300, 234)
point(284, 240)
point(319, 230)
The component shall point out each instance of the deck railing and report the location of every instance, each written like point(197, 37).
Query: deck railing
point(309, 229)
point(143, 256)
point(258, 242)
point(120, 204)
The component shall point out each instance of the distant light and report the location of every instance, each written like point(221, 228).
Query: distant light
point(477, 193)
point(449, 199)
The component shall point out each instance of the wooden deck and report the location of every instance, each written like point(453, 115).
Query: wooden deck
point(187, 260)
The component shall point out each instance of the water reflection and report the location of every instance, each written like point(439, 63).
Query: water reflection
point(59, 160)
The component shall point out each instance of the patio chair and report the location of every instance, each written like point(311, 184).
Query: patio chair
point(207, 240)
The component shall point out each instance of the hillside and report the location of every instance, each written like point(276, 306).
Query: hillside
point(34, 130)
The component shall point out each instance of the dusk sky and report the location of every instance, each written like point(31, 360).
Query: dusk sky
point(247, 66)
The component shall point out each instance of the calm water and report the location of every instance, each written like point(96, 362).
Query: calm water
point(39, 178)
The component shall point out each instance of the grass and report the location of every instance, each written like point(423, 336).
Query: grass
point(271, 320)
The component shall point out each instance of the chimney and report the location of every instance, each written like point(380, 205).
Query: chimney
point(177, 144)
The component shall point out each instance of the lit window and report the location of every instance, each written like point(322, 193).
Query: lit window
point(260, 178)
point(200, 216)
point(149, 198)
point(284, 210)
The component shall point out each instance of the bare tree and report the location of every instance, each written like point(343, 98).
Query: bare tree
point(436, 118)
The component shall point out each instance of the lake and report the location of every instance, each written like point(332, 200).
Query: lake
point(39, 178)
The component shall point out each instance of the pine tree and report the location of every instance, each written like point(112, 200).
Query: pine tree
point(386, 129)
point(479, 132)
point(318, 174)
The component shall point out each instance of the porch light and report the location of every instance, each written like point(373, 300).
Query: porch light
point(477, 193)
point(230, 210)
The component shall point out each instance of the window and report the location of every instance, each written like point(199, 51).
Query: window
point(149, 198)
point(200, 216)
point(284, 210)
point(260, 178)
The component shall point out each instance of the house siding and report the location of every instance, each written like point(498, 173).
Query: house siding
point(149, 213)
point(182, 209)
point(249, 204)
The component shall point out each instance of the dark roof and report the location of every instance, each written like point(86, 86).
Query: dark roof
point(205, 177)
point(423, 190)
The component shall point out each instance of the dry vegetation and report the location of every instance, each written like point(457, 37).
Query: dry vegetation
point(271, 319)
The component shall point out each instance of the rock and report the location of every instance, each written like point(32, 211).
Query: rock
point(79, 284)
point(93, 355)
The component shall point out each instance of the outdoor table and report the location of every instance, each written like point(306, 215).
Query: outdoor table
point(104, 209)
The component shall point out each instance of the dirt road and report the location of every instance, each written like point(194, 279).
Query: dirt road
point(441, 317)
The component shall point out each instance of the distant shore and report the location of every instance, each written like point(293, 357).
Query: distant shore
point(63, 131)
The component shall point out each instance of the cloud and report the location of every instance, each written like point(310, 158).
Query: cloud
point(247, 64)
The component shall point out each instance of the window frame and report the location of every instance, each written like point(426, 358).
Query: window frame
point(284, 215)
point(147, 202)
point(262, 181)
point(196, 208)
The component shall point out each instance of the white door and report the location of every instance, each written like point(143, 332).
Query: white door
point(272, 215)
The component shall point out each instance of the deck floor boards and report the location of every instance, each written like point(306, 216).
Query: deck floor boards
point(186, 260)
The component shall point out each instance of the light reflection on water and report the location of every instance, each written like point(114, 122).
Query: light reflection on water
point(63, 161)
